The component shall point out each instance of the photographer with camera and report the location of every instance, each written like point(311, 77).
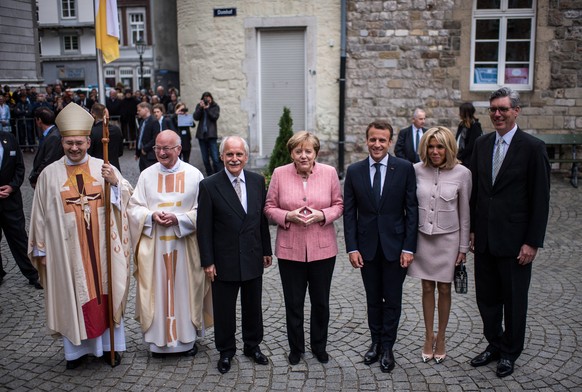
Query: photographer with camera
point(207, 113)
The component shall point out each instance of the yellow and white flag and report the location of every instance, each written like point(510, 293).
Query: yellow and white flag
point(107, 29)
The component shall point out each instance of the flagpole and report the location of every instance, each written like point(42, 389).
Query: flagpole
point(100, 78)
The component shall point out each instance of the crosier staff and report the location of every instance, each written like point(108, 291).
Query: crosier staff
point(107, 197)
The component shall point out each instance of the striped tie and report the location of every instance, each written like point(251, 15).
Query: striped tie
point(498, 157)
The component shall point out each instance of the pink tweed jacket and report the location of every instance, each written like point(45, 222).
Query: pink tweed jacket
point(287, 193)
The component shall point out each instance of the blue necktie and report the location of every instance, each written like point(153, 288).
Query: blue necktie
point(377, 183)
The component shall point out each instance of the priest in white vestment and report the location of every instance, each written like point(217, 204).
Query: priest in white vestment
point(173, 300)
point(67, 244)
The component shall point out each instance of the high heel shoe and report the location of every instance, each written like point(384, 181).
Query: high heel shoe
point(427, 357)
point(439, 358)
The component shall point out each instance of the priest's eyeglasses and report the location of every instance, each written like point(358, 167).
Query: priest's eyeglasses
point(164, 149)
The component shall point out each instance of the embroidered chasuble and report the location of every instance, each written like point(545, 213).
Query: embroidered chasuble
point(171, 285)
point(68, 225)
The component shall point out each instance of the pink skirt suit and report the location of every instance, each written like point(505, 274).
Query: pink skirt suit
point(443, 221)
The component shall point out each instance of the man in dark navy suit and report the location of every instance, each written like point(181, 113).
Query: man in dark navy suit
point(409, 137)
point(11, 209)
point(50, 148)
point(235, 246)
point(146, 138)
point(380, 226)
point(510, 205)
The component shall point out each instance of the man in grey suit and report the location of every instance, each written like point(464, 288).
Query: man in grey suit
point(380, 226)
point(509, 213)
point(235, 246)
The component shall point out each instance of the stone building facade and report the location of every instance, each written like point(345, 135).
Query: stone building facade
point(417, 53)
point(19, 43)
point(401, 54)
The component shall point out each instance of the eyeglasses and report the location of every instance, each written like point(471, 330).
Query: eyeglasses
point(164, 149)
point(502, 109)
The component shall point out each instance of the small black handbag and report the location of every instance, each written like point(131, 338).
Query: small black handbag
point(461, 279)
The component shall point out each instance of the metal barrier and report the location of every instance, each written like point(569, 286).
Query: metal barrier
point(27, 133)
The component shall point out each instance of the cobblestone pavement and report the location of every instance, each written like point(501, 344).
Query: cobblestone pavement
point(552, 360)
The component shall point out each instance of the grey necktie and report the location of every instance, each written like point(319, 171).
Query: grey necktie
point(498, 157)
point(237, 188)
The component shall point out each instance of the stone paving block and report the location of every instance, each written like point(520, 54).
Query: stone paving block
point(551, 361)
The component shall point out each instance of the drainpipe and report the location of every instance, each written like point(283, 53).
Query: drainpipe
point(342, 94)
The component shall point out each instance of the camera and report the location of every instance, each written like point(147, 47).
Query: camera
point(185, 110)
point(206, 101)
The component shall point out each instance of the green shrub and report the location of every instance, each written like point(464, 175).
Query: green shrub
point(280, 155)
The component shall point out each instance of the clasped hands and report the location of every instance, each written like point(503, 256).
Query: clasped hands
point(305, 216)
point(5, 191)
point(165, 219)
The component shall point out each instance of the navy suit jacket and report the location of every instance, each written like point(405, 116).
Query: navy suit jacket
point(513, 211)
point(151, 129)
point(234, 241)
point(394, 223)
point(404, 147)
point(11, 171)
point(49, 151)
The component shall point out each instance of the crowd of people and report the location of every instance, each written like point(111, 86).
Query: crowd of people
point(197, 242)
point(17, 108)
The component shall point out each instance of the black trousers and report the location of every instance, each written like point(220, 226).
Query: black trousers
point(12, 224)
point(224, 296)
point(383, 282)
point(502, 287)
point(296, 277)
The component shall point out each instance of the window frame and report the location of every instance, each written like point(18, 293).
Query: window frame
point(64, 43)
point(69, 5)
point(130, 26)
point(503, 14)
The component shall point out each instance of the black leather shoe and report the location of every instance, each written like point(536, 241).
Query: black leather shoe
point(224, 364)
point(484, 358)
point(387, 362)
point(322, 357)
point(35, 283)
point(192, 352)
point(257, 356)
point(158, 355)
point(504, 367)
point(294, 357)
point(372, 354)
point(75, 363)
point(107, 358)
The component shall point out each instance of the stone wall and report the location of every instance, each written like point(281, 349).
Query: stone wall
point(19, 43)
point(402, 55)
point(416, 53)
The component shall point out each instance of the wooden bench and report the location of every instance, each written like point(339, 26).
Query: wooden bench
point(556, 142)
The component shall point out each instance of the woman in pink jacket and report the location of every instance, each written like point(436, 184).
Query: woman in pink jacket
point(443, 189)
point(304, 199)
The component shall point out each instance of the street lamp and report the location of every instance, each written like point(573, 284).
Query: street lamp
point(140, 48)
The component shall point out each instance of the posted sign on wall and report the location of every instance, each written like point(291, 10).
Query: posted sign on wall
point(224, 12)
